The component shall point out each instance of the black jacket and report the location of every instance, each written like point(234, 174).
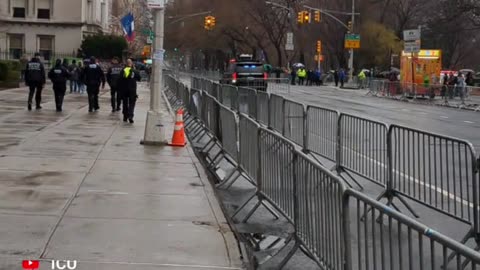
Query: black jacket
point(128, 84)
point(59, 75)
point(113, 75)
point(35, 72)
point(93, 75)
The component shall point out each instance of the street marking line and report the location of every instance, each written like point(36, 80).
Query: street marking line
point(469, 122)
point(444, 117)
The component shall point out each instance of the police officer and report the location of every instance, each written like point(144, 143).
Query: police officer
point(93, 77)
point(113, 76)
point(59, 76)
point(128, 84)
point(35, 79)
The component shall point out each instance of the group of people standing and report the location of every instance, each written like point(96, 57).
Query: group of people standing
point(306, 77)
point(122, 80)
point(456, 85)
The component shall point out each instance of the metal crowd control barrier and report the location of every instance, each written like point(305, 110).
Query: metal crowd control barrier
point(278, 85)
point(210, 119)
point(276, 113)
point(437, 171)
point(321, 132)
point(243, 100)
point(229, 141)
point(319, 221)
point(249, 158)
point(252, 103)
point(293, 123)
point(362, 149)
point(229, 96)
point(262, 107)
point(386, 239)
point(276, 183)
point(229, 132)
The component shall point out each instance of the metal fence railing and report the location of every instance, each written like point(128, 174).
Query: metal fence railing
point(431, 91)
point(337, 226)
point(321, 132)
point(438, 171)
point(262, 107)
point(276, 113)
point(243, 100)
point(229, 132)
point(362, 148)
point(229, 96)
point(293, 121)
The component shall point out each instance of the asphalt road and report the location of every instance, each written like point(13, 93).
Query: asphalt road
point(457, 123)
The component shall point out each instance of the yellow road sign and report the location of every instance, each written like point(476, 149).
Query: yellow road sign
point(352, 44)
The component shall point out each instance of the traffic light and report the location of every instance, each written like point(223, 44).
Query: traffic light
point(303, 17)
point(319, 46)
point(306, 17)
point(209, 22)
point(213, 21)
point(350, 27)
point(300, 17)
point(317, 16)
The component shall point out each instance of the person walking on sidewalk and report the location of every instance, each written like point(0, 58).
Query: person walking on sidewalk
point(128, 84)
point(59, 76)
point(113, 76)
point(74, 71)
point(93, 77)
point(35, 79)
point(81, 85)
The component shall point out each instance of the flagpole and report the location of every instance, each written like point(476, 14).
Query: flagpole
point(154, 129)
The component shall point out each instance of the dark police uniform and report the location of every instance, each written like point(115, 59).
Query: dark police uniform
point(113, 76)
point(93, 77)
point(59, 76)
point(35, 79)
point(128, 86)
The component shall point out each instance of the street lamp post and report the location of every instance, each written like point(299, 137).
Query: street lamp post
point(154, 129)
point(350, 60)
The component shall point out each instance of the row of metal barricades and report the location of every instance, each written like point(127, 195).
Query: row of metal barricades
point(399, 90)
point(284, 149)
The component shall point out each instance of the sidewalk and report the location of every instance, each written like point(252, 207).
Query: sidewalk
point(79, 186)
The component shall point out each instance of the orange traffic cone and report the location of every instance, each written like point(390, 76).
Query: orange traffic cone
point(178, 138)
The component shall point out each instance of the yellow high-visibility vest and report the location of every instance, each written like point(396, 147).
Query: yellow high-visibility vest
point(127, 72)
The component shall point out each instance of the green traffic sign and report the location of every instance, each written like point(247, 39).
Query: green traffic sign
point(352, 37)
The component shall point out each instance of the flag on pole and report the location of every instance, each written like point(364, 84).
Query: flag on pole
point(128, 25)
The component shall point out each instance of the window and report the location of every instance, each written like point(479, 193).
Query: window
point(19, 8)
point(45, 46)
point(43, 13)
point(43, 9)
point(16, 45)
point(102, 14)
point(89, 10)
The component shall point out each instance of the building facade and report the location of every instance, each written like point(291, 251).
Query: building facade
point(50, 27)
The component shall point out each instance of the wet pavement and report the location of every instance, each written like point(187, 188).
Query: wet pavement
point(79, 186)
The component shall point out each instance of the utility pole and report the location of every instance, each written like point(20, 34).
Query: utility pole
point(154, 129)
point(350, 60)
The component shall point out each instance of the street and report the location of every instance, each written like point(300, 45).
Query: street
point(446, 121)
